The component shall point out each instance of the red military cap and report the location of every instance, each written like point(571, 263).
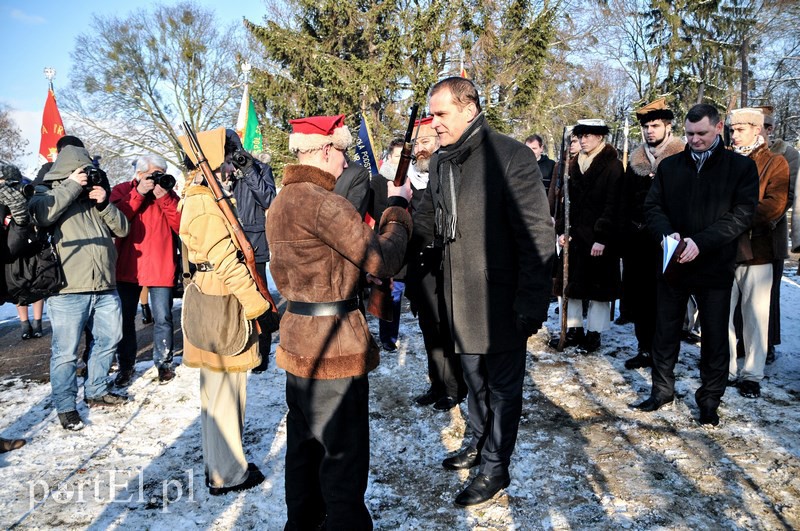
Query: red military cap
point(423, 121)
point(315, 132)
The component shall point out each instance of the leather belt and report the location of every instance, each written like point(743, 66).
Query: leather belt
point(205, 267)
point(319, 309)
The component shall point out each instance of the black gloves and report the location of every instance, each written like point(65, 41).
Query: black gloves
point(527, 325)
point(269, 321)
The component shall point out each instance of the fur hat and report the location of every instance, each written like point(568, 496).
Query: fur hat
point(747, 115)
point(9, 173)
point(315, 132)
point(592, 126)
point(211, 142)
point(768, 112)
point(656, 110)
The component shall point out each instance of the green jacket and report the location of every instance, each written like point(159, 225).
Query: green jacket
point(84, 235)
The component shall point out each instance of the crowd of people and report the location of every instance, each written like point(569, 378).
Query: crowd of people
point(484, 232)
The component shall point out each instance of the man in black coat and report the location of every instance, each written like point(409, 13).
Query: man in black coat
point(353, 185)
point(253, 187)
point(485, 205)
point(546, 166)
point(705, 196)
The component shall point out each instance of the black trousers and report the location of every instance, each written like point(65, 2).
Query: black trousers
point(495, 405)
point(774, 336)
point(327, 453)
point(640, 270)
point(713, 305)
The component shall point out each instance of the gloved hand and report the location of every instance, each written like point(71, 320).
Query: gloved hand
point(269, 322)
point(527, 325)
point(16, 203)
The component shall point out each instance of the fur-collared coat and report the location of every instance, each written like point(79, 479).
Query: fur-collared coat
point(638, 179)
point(594, 218)
point(760, 244)
point(319, 247)
point(781, 147)
point(209, 238)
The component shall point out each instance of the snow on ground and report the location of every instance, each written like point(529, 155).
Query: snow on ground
point(583, 459)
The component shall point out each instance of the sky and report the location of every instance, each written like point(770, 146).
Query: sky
point(38, 34)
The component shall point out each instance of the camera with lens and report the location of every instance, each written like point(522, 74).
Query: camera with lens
point(94, 176)
point(164, 180)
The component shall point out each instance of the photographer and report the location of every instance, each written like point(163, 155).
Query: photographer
point(253, 188)
point(147, 258)
point(73, 199)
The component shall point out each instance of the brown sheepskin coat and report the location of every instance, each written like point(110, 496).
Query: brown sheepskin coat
point(759, 245)
point(319, 247)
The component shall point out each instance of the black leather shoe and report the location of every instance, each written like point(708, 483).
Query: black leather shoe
point(749, 389)
point(642, 359)
point(165, 374)
point(709, 417)
point(254, 478)
point(463, 460)
point(389, 347)
point(652, 404)
point(428, 397)
point(481, 489)
point(446, 403)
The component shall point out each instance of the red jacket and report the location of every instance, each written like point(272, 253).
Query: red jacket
point(146, 256)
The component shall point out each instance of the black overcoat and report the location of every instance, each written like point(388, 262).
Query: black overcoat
point(499, 264)
point(595, 202)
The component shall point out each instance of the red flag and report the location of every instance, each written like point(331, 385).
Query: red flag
point(52, 129)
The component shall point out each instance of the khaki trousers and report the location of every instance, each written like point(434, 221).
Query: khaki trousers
point(753, 284)
point(222, 401)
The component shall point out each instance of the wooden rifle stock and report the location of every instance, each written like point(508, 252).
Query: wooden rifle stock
point(565, 253)
point(225, 206)
point(380, 297)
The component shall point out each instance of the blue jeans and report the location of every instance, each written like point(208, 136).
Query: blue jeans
point(161, 306)
point(388, 331)
point(69, 313)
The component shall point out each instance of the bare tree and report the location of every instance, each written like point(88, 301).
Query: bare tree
point(12, 144)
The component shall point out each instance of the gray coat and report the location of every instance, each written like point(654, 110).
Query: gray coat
point(84, 234)
point(499, 264)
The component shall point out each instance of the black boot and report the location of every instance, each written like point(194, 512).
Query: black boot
point(642, 359)
point(590, 343)
point(147, 315)
point(573, 338)
point(27, 331)
point(36, 328)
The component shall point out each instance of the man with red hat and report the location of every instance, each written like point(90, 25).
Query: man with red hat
point(319, 248)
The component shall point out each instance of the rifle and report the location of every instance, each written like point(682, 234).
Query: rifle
point(380, 297)
point(565, 251)
point(224, 203)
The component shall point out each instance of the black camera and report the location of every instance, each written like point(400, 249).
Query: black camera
point(94, 176)
point(164, 180)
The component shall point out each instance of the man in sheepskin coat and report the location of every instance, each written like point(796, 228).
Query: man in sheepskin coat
point(641, 253)
point(320, 246)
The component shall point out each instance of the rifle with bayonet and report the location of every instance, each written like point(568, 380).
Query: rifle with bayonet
point(243, 242)
point(380, 297)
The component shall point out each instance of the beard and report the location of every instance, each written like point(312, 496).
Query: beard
point(388, 170)
point(657, 142)
point(423, 162)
